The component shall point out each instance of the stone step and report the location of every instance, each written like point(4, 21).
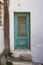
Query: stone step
point(26, 57)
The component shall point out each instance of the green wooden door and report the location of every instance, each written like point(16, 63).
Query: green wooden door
point(21, 31)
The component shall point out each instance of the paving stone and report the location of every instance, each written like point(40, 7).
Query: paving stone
point(36, 63)
point(22, 63)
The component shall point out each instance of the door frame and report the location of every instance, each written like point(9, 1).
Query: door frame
point(29, 25)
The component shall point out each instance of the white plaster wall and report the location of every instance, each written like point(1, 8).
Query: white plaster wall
point(1, 39)
point(1, 0)
point(36, 9)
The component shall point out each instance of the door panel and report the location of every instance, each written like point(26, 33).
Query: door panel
point(21, 31)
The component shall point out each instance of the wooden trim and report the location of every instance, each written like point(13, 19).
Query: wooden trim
point(30, 30)
point(21, 12)
point(6, 27)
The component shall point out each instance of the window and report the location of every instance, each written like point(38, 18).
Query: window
point(1, 13)
point(21, 26)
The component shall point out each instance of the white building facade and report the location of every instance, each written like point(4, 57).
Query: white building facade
point(35, 7)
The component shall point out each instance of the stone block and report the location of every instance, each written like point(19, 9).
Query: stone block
point(3, 61)
point(25, 57)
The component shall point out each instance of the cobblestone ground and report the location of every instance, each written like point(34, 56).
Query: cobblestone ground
point(25, 63)
point(22, 63)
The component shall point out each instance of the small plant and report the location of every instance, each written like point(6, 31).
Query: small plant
point(9, 63)
point(10, 54)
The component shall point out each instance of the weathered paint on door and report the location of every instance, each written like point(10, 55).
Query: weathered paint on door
point(22, 38)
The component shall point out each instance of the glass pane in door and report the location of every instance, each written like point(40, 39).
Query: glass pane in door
point(21, 26)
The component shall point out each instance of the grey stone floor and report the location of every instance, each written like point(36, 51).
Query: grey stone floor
point(22, 63)
point(25, 63)
point(17, 61)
